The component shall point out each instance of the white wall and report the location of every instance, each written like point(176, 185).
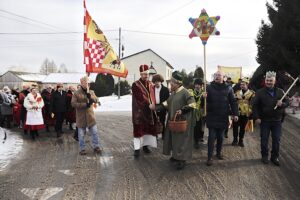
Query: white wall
point(133, 63)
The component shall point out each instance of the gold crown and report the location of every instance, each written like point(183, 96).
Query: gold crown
point(271, 74)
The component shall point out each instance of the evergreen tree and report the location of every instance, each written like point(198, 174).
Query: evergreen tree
point(278, 41)
point(124, 88)
point(199, 73)
point(104, 85)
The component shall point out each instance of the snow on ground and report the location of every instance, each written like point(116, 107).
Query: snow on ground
point(10, 148)
point(112, 104)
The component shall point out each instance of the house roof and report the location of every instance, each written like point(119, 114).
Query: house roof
point(68, 78)
point(152, 52)
point(27, 76)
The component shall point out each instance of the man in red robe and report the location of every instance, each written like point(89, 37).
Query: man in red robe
point(143, 119)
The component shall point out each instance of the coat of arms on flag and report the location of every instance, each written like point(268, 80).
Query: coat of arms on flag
point(99, 56)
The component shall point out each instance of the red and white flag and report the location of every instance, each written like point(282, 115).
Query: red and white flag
point(99, 56)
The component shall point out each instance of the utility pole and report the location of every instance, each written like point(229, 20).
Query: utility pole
point(119, 89)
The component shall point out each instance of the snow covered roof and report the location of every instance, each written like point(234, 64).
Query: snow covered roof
point(68, 78)
point(32, 77)
point(27, 76)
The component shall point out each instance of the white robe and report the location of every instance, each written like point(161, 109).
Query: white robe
point(34, 116)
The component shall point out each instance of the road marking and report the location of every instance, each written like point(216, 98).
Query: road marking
point(49, 192)
point(67, 172)
point(106, 160)
point(30, 192)
point(90, 158)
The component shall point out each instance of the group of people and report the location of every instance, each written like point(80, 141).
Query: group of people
point(153, 105)
point(33, 111)
point(48, 108)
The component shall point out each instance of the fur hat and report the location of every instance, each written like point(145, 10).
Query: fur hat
point(6, 89)
point(177, 77)
point(144, 69)
point(157, 77)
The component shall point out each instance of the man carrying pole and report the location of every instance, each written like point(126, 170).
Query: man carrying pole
point(269, 119)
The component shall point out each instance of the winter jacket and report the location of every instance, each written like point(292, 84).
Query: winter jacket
point(85, 116)
point(59, 102)
point(264, 103)
point(220, 103)
point(6, 106)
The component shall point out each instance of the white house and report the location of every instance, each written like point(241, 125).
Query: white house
point(150, 58)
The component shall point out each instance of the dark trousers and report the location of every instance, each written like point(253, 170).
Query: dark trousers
point(198, 130)
point(275, 128)
point(7, 119)
point(241, 123)
point(213, 134)
point(60, 116)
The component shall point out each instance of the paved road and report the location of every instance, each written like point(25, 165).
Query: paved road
point(52, 169)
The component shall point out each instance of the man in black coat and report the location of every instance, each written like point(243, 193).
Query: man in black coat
point(161, 94)
point(270, 119)
point(59, 107)
point(220, 102)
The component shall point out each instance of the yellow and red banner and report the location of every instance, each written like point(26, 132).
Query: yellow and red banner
point(99, 56)
point(235, 73)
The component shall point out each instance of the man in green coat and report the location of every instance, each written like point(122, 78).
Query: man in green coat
point(182, 103)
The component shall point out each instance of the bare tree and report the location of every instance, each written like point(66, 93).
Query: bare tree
point(48, 67)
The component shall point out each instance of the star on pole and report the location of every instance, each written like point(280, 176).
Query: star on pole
point(204, 26)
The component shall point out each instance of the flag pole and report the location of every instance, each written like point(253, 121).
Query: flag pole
point(204, 72)
point(119, 89)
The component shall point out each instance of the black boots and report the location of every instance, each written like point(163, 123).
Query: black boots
point(241, 142)
point(180, 164)
point(33, 134)
point(275, 161)
point(136, 153)
point(235, 142)
point(146, 149)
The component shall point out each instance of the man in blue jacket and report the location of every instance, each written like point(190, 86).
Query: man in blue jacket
point(270, 119)
point(220, 104)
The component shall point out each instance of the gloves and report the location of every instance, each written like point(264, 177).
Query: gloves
point(88, 95)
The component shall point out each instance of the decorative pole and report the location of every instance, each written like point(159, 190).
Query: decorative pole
point(203, 27)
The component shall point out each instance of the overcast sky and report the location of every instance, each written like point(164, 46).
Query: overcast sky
point(239, 24)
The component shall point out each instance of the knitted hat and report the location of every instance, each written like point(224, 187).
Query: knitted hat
point(198, 81)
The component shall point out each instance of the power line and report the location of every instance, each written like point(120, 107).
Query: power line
point(181, 35)
point(20, 21)
point(114, 30)
point(48, 33)
point(33, 20)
